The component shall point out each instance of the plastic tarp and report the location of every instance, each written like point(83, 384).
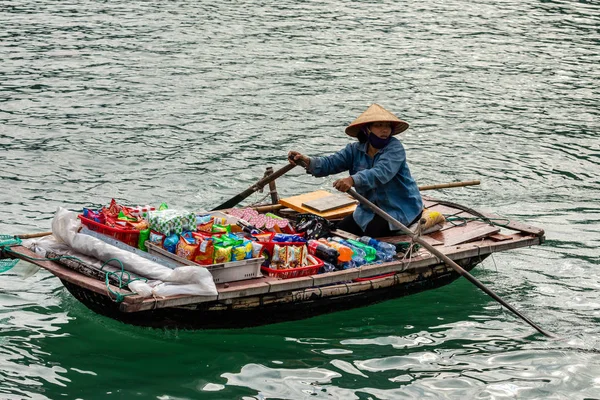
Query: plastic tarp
point(184, 280)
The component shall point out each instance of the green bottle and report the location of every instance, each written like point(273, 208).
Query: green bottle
point(370, 252)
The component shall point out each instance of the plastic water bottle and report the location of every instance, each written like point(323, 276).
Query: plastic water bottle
point(388, 250)
point(324, 252)
point(358, 255)
point(327, 267)
point(345, 253)
point(371, 253)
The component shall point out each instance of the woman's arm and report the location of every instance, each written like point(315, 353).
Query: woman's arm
point(323, 166)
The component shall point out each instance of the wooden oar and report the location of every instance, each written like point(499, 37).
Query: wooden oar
point(257, 186)
point(444, 258)
point(448, 185)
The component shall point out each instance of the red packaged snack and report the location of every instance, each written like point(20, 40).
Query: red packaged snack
point(206, 251)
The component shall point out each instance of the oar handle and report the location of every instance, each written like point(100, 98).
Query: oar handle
point(444, 258)
point(449, 185)
point(257, 186)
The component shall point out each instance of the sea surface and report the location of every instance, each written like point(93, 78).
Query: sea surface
point(187, 102)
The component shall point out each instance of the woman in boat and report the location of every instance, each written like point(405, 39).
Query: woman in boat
point(378, 171)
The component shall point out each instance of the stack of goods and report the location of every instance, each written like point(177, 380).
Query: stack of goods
point(217, 238)
point(122, 223)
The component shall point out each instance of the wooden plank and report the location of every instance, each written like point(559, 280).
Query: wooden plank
point(517, 226)
point(151, 303)
point(473, 234)
point(498, 237)
point(249, 289)
point(295, 203)
point(336, 276)
point(406, 238)
point(291, 284)
point(329, 203)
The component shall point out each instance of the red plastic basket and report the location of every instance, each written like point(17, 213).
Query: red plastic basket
point(129, 236)
point(294, 272)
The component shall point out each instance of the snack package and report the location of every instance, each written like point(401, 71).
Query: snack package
point(294, 256)
point(156, 238)
point(186, 248)
point(222, 254)
point(238, 252)
point(144, 235)
point(203, 219)
point(248, 248)
point(170, 243)
point(279, 257)
point(221, 228)
point(230, 239)
point(206, 252)
point(263, 237)
point(140, 225)
point(205, 226)
point(256, 249)
point(94, 215)
point(220, 221)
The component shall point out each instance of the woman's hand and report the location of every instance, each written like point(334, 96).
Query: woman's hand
point(344, 184)
point(294, 156)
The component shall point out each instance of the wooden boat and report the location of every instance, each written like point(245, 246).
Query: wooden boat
point(267, 300)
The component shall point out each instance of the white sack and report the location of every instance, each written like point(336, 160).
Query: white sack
point(182, 280)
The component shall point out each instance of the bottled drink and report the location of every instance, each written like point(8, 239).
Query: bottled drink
point(345, 252)
point(370, 252)
point(387, 250)
point(381, 246)
point(324, 252)
point(327, 267)
point(246, 227)
point(358, 254)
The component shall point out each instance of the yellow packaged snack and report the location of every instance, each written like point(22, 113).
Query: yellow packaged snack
point(222, 254)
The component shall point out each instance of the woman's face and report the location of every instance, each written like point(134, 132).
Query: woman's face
point(381, 129)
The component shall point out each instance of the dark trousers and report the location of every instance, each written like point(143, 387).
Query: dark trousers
point(378, 227)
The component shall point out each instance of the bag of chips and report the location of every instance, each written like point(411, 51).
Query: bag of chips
point(205, 226)
point(222, 254)
point(221, 228)
point(187, 248)
point(238, 252)
point(206, 252)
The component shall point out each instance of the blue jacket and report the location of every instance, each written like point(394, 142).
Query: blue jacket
point(384, 179)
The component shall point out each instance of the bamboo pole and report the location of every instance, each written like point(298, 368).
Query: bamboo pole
point(448, 185)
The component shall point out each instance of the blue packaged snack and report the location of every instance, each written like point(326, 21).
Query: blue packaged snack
point(287, 238)
point(170, 243)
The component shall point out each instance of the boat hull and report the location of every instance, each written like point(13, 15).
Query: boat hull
point(220, 315)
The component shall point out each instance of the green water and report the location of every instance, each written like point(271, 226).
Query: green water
point(188, 102)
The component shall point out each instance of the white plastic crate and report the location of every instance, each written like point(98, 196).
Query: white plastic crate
point(225, 272)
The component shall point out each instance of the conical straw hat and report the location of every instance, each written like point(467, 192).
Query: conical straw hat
point(376, 113)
